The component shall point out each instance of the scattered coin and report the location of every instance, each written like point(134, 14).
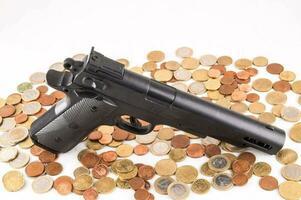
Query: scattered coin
point(180, 141)
point(58, 66)
point(34, 169)
point(184, 52)
point(141, 149)
point(124, 150)
point(24, 86)
point(262, 169)
point(47, 157)
point(200, 75)
point(208, 60)
point(13, 99)
point(146, 139)
point(142, 194)
point(156, 56)
point(53, 168)
point(224, 60)
point(295, 132)
point(268, 183)
point(163, 75)
point(20, 161)
point(177, 154)
point(8, 153)
point(161, 184)
point(256, 107)
point(83, 182)
point(200, 186)
point(222, 182)
point(32, 108)
point(165, 167)
point(42, 184)
point(212, 84)
point(274, 68)
point(286, 156)
point(17, 134)
point(197, 88)
point(260, 61)
point(296, 87)
point(290, 114)
point(241, 166)
point(248, 156)
point(291, 172)
point(290, 190)
point(30, 95)
point(195, 150)
point(262, 85)
point(190, 63)
point(276, 97)
point(13, 181)
point(212, 150)
point(180, 86)
point(186, 174)
point(287, 76)
point(63, 185)
point(219, 163)
point(240, 179)
point(7, 111)
point(282, 86)
point(105, 185)
point(267, 117)
point(81, 170)
point(182, 74)
point(172, 65)
point(160, 148)
point(178, 191)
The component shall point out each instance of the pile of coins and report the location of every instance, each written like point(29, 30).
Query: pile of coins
point(106, 161)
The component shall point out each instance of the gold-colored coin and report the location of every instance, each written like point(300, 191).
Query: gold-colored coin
point(105, 129)
point(123, 184)
point(212, 84)
point(186, 174)
point(267, 117)
point(105, 185)
point(172, 65)
point(262, 169)
point(177, 154)
point(286, 156)
point(128, 175)
point(208, 60)
point(124, 150)
point(94, 145)
point(163, 75)
point(287, 76)
point(224, 102)
point(26, 144)
point(206, 171)
point(149, 66)
point(83, 182)
point(190, 63)
point(262, 85)
point(13, 99)
point(165, 167)
point(215, 95)
point(156, 56)
point(123, 166)
point(296, 87)
point(243, 63)
point(290, 114)
point(239, 107)
point(256, 107)
point(2, 102)
point(200, 75)
point(260, 61)
point(224, 60)
point(13, 181)
point(214, 73)
point(276, 97)
point(200, 186)
point(80, 171)
point(276, 110)
point(290, 190)
point(295, 132)
point(166, 133)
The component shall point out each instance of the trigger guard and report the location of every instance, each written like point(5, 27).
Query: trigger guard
point(134, 126)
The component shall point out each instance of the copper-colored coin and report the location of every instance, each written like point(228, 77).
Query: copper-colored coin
point(212, 150)
point(238, 95)
point(180, 141)
point(7, 110)
point(41, 112)
point(90, 194)
point(240, 166)
point(53, 168)
point(248, 156)
point(268, 183)
point(36, 150)
point(226, 89)
point(252, 97)
point(256, 107)
point(141, 194)
point(244, 75)
point(58, 95)
point(63, 185)
point(109, 156)
point(227, 80)
point(89, 159)
point(120, 134)
point(146, 172)
point(136, 183)
point(34, 169)
point(240, 179)
point(195, 150)
point(20, 118)
point(141, 149)
point(47, 157)
point(95, 135)
point(99, 171)
point(274, 68)
point(282, 86)
point(42, 89)
point(46, 100)
point(106, 138)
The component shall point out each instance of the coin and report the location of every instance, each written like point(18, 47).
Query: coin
point(248, 156)
point(252, 97)
point(222, 181)
point(89, 159)
point(266, 117)
point(63, 185)
point(256, 107)
point(109, 156)
point(165, 167)
point(276, 97)
point(291, 172)
point(178, 191)
point(160, 148)
point(195, 150)
point(296, 87)
point(136, 183)
point(189, 63)
point(149, 66)
point(180, 141)
point(146, 139)
point(287, 76)
point(200, 75)
point(172, 65)
point(7, 111)
point(212, 150)
point(219, 163)
point(47, 157)
point(13, 99)
point(286, 156)
point(24, 86)
point(46, 100)
point(17, 134)
point(239, 107)
point(142, 194)
point(161, 184)
point(141, 150)
point(146, 172)
point(32, 108)
point(260, 61)
point(241, 166)
point(13, 181)
point(240, 179)
point(34, 169)
point(81, 170)
point(282, 86)
point(163, 75)
point(58, 66)
point(20, 161)
point(295, 132)
point(200, 186)
point(79, 57)
point(290, 114)
point(21, 118)
point(53, 168)
point(8, 153)
point(186, 174)
point(268, 183)
point(129, 175)
point(184, 52)
point(177, 154)
point(212, 84)
point(262, 85)
point(95, 145)
point(124, 150)
point(166, 133)
point(262, 169)
point(274, 68)
point(42, 184)
point(83, 182)
point(105, 185)
point(182, 74)
point(243, 63)
point(197, 88)
point(224, 60)
point(30, 95)
point(290, 190)
point(208, 60)
point(180, 86)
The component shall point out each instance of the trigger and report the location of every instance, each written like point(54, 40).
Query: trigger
point(134, 126)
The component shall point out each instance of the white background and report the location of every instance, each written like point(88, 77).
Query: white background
point(35, 34)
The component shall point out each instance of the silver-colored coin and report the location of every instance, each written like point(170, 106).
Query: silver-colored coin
point(37, 77)
point(8, 124)
point(180, 86)
point(146, 139)
point(208, 60)
point(79, 57)
point(30, 95)
point(219, 163)
point(222, 182)
point(32, 108)
point(42, 184)
point(210, 140)
point(17, 134)
point(20, 161)
point(161, 184)
point(7, 154)
point(182, 74)
point(197, 88)
point(291, 172)
point(160, 148)
point(178, 191)
point(58, 66)
point(184, 52)
point(24, 86)
point(290, 114)
point(4, 140)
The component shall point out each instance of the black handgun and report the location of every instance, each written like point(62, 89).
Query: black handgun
point(99, 91)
